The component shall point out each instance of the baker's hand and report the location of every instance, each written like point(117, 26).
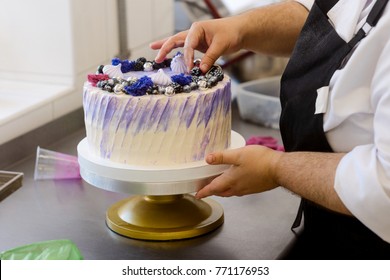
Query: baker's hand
point(252, 171)
point(212, 37)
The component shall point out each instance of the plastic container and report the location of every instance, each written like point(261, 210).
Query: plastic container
point(258, 101)
point(55, 165)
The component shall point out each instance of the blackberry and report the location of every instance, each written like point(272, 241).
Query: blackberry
point(196, 71)
point(217, 72)
point(138, 66)
point(141, 59)
point(102, 84)
point(157, 66)
point(108, 88)
point(195, 79)
point(167, 62)
point(149, 91)
point(154, 90)
point(177, 87)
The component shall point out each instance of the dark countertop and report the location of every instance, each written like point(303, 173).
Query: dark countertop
point(255, 227)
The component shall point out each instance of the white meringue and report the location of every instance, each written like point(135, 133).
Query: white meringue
point(160, 78)
point(113, 71)
point(178, 64)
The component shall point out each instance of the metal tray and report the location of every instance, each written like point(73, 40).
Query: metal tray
point(9, 182)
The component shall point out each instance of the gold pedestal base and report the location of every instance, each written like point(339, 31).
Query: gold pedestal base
point(166, 217)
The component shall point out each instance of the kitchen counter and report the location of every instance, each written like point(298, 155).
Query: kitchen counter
point(256, 226)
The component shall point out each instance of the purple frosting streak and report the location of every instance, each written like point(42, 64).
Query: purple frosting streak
point(144, 117)
point(187, 111)
point(227, 100)
point(157, 111)
point(123, 116)
point(107, 115)
point(163, 122)
point(210, 103)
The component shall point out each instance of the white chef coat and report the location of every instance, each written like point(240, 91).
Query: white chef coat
point(357, 116)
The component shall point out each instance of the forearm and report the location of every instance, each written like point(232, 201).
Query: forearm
point(311, 175)
point(272, 29)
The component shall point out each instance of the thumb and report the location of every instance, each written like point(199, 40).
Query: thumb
point(208, 60)
point(224, 157)
point(215, 50)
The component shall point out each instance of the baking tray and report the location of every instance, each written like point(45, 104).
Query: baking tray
point(9, 182)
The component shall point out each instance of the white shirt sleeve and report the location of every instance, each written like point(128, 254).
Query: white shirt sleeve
point(363, 175)
point(306, 3)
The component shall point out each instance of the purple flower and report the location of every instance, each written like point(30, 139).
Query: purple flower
point(115, 61)
point(140, 87)
point(182, 79)
point(127, 66)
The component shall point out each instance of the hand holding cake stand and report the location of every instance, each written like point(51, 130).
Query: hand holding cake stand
point(162, 207)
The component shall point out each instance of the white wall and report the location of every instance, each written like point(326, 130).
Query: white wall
point(148, 20)
point(33, 39)
point(53, 41)
point(47, 48)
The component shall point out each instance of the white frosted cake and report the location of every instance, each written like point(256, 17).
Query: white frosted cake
point(146, 114)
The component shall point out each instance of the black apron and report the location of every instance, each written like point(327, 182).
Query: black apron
point(319, 52)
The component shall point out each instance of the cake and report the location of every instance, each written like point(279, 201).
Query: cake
point(143, 113)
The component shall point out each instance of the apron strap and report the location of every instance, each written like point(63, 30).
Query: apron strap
point(376, 12)
point(372, 20)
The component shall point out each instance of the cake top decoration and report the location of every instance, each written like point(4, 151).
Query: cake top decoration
point(142, 77)
point(178, 64)
point(139, 87)
point(113, 71)
point(160, 78)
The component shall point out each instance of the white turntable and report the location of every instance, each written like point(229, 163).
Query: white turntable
point(161, 207)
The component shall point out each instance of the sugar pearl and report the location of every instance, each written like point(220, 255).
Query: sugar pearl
point(148, 66)
point(169, 91)
point(118, 89)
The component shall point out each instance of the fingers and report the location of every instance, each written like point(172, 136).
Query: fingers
point(156, 45)
point(221, 185)
point(193, 42)
point(215, 50)
point(166, 45)
point(189, 57)
point(202, 37)
point(218, 186)
point(196, 41)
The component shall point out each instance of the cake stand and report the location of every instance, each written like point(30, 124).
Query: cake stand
point(161, 206)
